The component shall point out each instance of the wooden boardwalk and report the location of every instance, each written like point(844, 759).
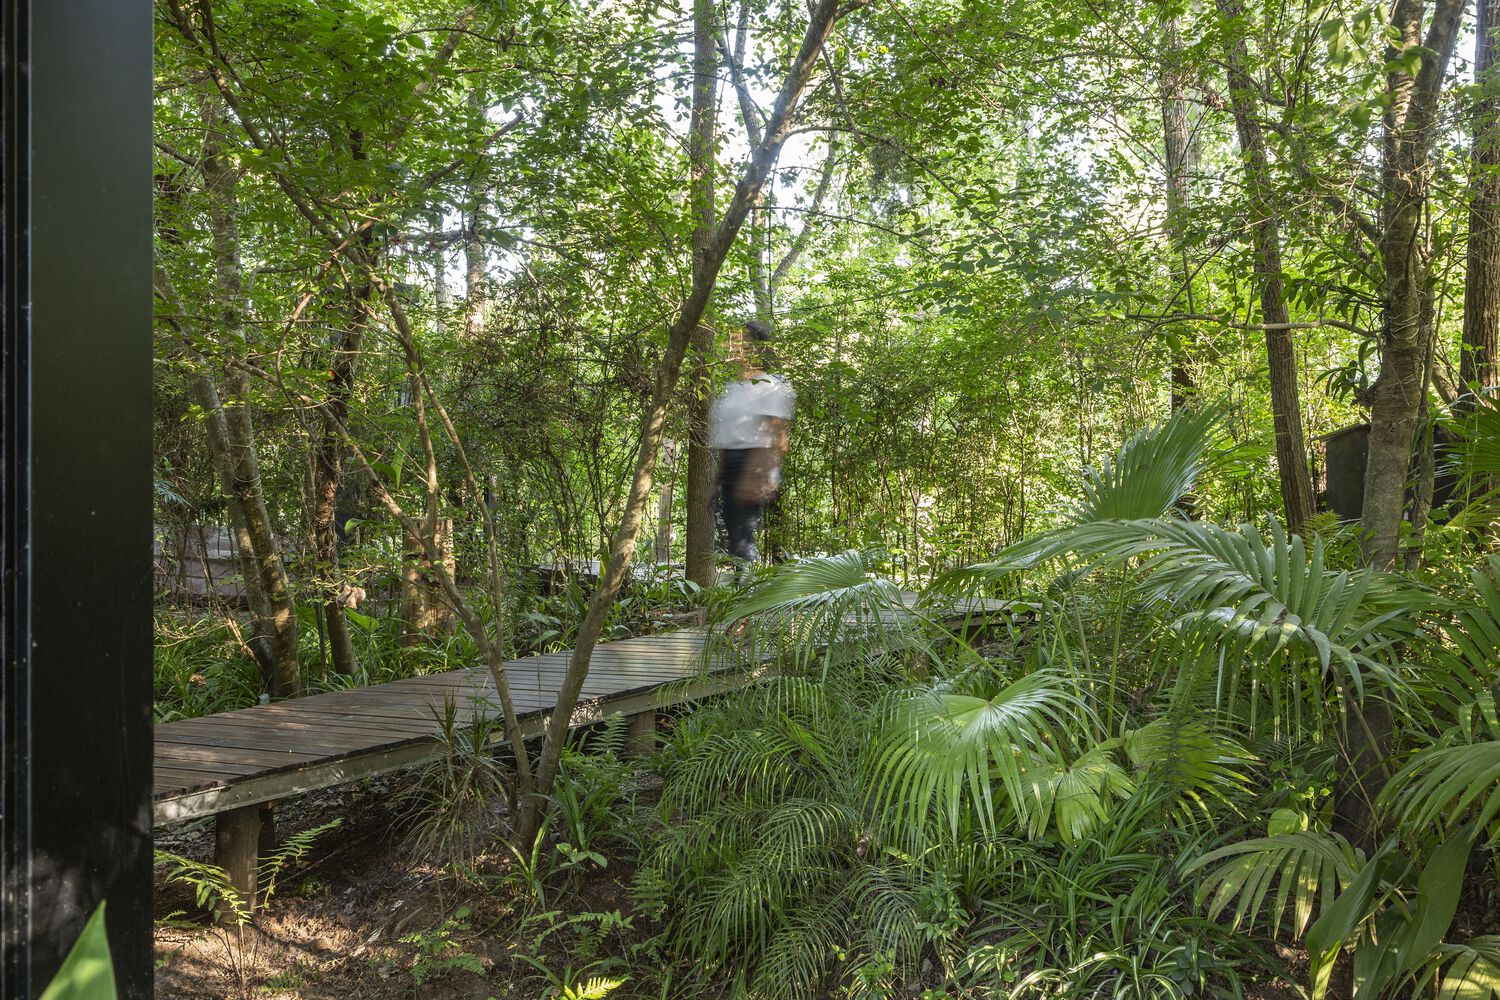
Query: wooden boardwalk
point(222, 763)
point(218, 762)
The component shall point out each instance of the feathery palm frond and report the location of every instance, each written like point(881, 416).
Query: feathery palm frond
point(1463, 668)
point(1475, 458)
point(1469, 971)
point(1307, 868)
point(941, 750)
point(1439, 786)
point(1254, 601)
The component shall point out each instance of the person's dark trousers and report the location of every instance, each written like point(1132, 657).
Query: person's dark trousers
point(741, 518)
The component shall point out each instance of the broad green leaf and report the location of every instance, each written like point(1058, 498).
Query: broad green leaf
point(88, 973)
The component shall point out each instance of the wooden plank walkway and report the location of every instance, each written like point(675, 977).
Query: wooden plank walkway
point(214, 764)
point(218, 762)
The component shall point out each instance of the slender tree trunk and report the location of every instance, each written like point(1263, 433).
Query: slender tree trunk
point(799, 244)
point(747, 192)
point(423, 612)
point(1478, 363)
point(206, 395)
point(1396, 396)
point(1178, 146)
point(280, 627)
point(328, 474)
point(701, 460)
point(441, 296)
point(1286, 399)
point(491, 637)
point(663, 548)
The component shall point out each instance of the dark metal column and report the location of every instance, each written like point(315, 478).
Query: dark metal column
point(75, 357)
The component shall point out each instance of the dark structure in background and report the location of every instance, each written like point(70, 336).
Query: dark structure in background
point(75, 467)
point(1347, 451)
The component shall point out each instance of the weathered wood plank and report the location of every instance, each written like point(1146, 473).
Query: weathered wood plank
point(289, 722)
point(274, 740)
point(220, 756)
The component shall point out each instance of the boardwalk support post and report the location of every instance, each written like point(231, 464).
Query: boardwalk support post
point(237, 851)
point(642, 739)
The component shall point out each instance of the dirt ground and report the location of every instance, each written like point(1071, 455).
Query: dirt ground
point(334, 927)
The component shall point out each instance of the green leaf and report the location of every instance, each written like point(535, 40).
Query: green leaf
point(88, 973)
point(1438, 889)
point(1284, 821)
point(1328, 934)
point(363, 621)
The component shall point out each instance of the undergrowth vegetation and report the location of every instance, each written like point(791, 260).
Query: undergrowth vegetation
point(1188, 745)
point(1177, 760)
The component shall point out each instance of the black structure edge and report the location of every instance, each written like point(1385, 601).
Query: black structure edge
point(75, 262)
point(15, 790)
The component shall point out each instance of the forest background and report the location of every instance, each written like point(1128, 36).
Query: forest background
point(443, 290)
point(1003, 238)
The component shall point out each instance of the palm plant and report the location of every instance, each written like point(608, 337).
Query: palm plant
point(835, 609)
point(1071, 812)
point(449, 808)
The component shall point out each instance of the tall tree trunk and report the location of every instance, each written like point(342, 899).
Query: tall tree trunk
point(475, 298)
point(328, 471)
point(1481, 334)
point(700, 458)
point(280, 627)
point(1396, 396)
point(1286, 399)
point(747, 193)
point(1178, 147)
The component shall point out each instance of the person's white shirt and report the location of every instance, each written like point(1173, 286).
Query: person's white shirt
point(737, 418)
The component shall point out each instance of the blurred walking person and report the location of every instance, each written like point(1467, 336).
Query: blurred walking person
point(749, 426)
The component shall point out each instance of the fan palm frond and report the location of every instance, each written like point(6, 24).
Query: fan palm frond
point(1190, 761)
point(1150, 473)
point(1147, 477)
point(941, 752)
point(827, 606)
point(1077, 794)
point(1307, 868)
